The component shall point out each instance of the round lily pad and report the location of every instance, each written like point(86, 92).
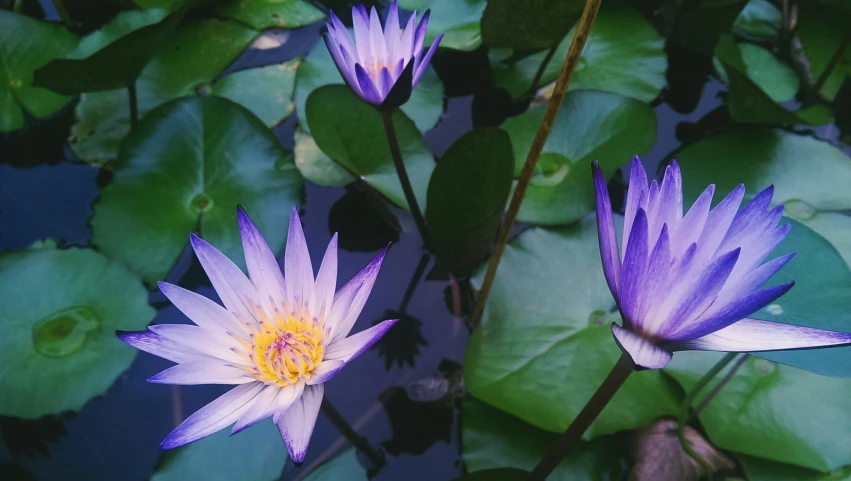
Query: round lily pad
point(256, 454)
point(263, 14)
point(187, 165)
point(773, 411)
point(35, 44)
point(59, 310)
point(314, 165)
point(342, 467)
point(459, 22)
point(545, 343)
point(759, 17)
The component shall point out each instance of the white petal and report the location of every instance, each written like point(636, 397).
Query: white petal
point(263, 269)
point(350, 300)
point(157, 345)
point(326, 282)
point(212, 371)
point(325, 371)
point(351, 347)
point(643, 353)
point(296, 423)
point(271, 399)
point(298, 271)
point(752, 335)
point(202, 311)
point(205, 341)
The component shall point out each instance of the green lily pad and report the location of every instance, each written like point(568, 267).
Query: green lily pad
point(342, 467)
point(457, 20)
point(759, 469)
point(265, 91)
point(263, 14)
point(257, 454)
point(821, 30)
point(810, 176)
point(494, 439)
point(545, 343)
point(189, 163)
point(749, 102)
point(624, 55)
point(773, 411)
point(528, 24)
point(700, 24)
point(466, 198)
point(59, 310)
point(591, 125)
point(351, 132)
point(112, 57)
point(760, 18)
point(195, 56)
point(775, 78)
point(318, 69)
point(314, 165)
point(28, 44)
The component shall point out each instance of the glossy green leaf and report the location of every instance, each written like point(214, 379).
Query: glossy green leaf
point(318, 69)
point(59, 310)
point(342, 467)
point(760, 18)
point(112, 57)
point(759, 469)
point(27, 45)
point(545, 343)
point(528, 24)
point(263, 14)
point(256, 454)
point(314, 165)
point(189, 163)
point(774, 77)
point(457, 20)
point(352, 133)
point(821, 30)
point(773, 411)
point(265, 91)
point(194, 58)
point(624, 54)
point(591, 125)
point(700, 24)
point(466, 197)
point(493, 439)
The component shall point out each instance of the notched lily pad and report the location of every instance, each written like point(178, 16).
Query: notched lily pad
point(59, 310)
point(263, 14)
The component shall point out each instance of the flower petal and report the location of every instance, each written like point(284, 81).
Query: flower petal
point(422, 62)
point(377, 47)
point(350, 299)
point(298, 270)
point(202, 311)
point(341, 34)
point(634, 269)
point(751, 335)
point(202, 372)
point(271, 400)
point(296, 423)
point(263, 269)
point(325, 371)
point(367, 86)
point(360, 24)
point(420, 34)
point(718, 223)
point(658, 269)
point(343, 63)
point(213, 417)
point(206, 341)
point(689, 228)
point(644, 353)
point(326, 282)
point(351, 347)
point(606, 231)
point(637, 190)
point(153, 343)
point(392, 32)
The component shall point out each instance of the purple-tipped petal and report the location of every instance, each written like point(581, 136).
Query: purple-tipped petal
point(422, 63)
point(643, 353)
point(753, 335)
point(296, 423)
point(718, 223)
point(350, 348)
point(670, 209)
point(298, 270)
point(392, 32)
point(634, 268)
point(385, 82)
point(370, 92)
point(281, 399)
point(212, 343)
point(325, 371)
point(406, 43)
point(344, 65)
point(263, 269)
point(202, 372)
point(350, 299)
point(202, 311)
point(326, 281)
point(606, 231)
point(360, 24)
point(637, 190)
point(377, 46)
point(220, 413)
point(420, 34)
point(153, 343)
point(689, 228)
point(658, 266)
point(341, 34)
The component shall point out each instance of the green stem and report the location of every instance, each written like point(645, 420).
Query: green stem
point(686, 406)
point(583, 29)
point(589, 413)
point(415, 279)
point(541, 69)
point(18, 6)
point(63, 14)
point(359, 442)
point(387, 116)
point(134, 105)
point(834, 61)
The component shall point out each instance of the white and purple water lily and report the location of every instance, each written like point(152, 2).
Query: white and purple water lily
point(382, 66)
point(278, 338)
point(688, 282)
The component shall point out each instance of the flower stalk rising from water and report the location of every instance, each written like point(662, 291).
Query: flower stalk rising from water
point(278, 338)
point(690, 281)
point(381, 66)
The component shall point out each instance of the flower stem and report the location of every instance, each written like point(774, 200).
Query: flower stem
point(589, 413)
point(134, 105)
point(415, 279)
point(360, 443)
point(583, 29)
point(834, 61)
point(403, 175)
point(739, 363)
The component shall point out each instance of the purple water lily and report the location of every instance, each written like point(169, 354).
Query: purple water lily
point(688, 282)
point(381, 66)
point(278, 338)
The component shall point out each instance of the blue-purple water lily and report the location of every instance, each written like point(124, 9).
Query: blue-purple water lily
point(278, 338)
point(382, 66)
point(689, 282)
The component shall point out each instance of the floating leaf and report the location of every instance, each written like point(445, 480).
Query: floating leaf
point(352, 133)
point(342, 467)
point(59, 310)
point(591, 125)
point(700, 24)
point(466, 197)
point(458, 21)
point(624, 55)
point(190, 162)
point(256, 454)
point(545, 343)
point(822, 30)
point(318, 69)
point(528, 24)
point(112, 57)
point(265, 91)
point(759, 469)
point(27, 45)
point(493, 439)
point(773, 411)
point(314, 165)
point(759, 17)
point(263, 14)
point(775, 78)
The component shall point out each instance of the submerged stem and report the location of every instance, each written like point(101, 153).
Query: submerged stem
point(134, 105)
point(360, 443)
point(583, 29)
point(589, 413)
point(387, 116)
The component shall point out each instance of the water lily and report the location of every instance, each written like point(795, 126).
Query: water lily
point(689, 282)
point(382, 66)
point(278, 338)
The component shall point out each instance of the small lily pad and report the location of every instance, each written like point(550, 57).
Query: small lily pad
point(265, 91)
point(263, 14)
point(59, 310)
point(760, 18)
point(189, 163)
point(458, 21)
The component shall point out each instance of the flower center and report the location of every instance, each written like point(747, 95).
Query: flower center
point(373, 69)
point(285, 351)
